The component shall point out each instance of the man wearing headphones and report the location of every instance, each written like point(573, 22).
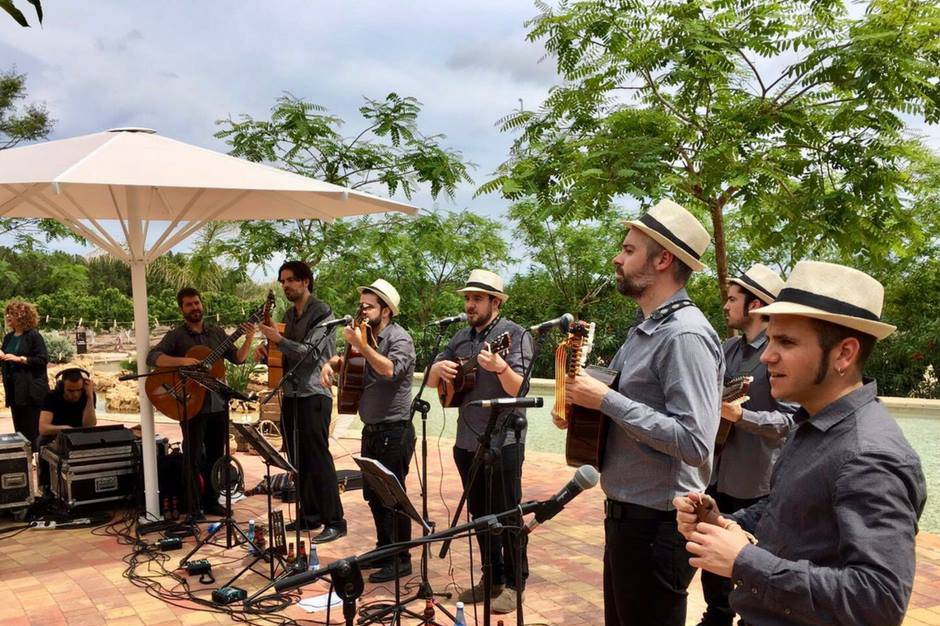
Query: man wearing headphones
point(70, 405)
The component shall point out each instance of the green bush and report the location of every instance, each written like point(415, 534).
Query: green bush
point(60, 348)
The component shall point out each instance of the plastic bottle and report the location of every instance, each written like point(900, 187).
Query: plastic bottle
point(290, 552)
point(459, 619)
point(428, 609)
point(313, 561)
point(259, 539)
point(251, 533)
point(301, 563)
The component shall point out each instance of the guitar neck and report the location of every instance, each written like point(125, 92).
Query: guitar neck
point(219, 351)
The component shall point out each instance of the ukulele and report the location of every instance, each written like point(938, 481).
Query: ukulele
point(164, 386)
point(453, 393)
point(352, 373)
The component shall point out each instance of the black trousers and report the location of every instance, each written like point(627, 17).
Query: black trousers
point(503, 493)
point(26, 421)
point(392, 445)
point(646, 568)
point(204, 443)
point(317, 486)
point(717, 588)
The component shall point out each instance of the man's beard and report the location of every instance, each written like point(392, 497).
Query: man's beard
point(194, 317)
point(635, 285)
point(292, 295)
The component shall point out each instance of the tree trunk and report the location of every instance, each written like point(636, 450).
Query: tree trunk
point(721, 256)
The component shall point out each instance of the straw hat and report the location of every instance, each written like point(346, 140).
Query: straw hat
point(834, 293)
point(675, 229)
point(384, 290)
point(484, 281)
point(761, 281)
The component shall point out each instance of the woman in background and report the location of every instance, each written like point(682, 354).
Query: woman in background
point(23, 358)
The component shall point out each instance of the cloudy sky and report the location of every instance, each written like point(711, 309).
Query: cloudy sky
point(177, 67)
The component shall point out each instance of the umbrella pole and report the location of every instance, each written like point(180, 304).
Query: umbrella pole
point(148, 439)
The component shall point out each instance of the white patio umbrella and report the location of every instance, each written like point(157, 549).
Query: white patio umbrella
point(145, 181)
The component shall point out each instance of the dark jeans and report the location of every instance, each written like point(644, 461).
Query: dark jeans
point(26, 421)
point(717, 588)
point(646, 569)
point(504, 492)
point(317, 486)
point(204, 443)
point(392, 445)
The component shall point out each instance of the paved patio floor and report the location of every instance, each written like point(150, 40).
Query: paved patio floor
point(76, 576)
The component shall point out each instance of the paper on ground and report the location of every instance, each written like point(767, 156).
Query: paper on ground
point(319, 603)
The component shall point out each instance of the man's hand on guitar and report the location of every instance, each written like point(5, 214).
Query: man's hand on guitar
point(585, 391)
point(694, 508)
point(326, 376)
point(353, 336)
point(444, 370)
point(261, 354)
point(733, 411)
point(489, 361)
point(249, 330)
point(270, 333)
point(187, 361)
point(559, 421)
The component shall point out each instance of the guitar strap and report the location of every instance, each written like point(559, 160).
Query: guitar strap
point(661, 313)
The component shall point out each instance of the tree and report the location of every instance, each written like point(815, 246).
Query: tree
point(31, 123)
point(780, 120)
point(301, 137)
point(17, 15)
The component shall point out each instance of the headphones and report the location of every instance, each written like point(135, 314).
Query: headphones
point(60, 383)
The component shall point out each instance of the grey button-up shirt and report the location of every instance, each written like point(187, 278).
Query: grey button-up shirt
point(836, 534)
point(301, 334)
point(755, 441)
point(472, 420)
point(180, 339)
point(665, 409)
point(389, 399)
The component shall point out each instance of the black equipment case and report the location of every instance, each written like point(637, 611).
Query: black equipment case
point(17, 481)
point(92, 466)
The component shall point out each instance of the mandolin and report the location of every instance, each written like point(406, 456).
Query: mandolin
point(735, 390)
point(164, 386)
point(352, 373)
point(453, 393)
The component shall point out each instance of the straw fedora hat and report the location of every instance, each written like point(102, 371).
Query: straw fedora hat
point(675, 229)
point(761, 281)
point(384, 290)
point(484, 281)
point(834, 293)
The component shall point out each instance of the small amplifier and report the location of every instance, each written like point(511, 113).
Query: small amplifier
point(228, 595)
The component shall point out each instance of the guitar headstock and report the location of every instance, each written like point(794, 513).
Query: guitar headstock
point(264, 313)
point(501, 344)
point(736, 388)
point(580, 342)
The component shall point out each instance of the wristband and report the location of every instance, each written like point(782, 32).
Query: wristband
point(503, 371)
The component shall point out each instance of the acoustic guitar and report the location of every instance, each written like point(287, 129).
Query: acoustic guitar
point(453, 393)
point(735, 390)
point(165, 388)
point(587, 428)
point(352, 373)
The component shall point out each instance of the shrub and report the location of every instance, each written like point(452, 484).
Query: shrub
point(60, 348)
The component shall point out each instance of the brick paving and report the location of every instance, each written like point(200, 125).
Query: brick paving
point(75, 577)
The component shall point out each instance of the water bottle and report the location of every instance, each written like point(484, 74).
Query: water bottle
point(213, 526)
point(313, 561)
point(459, 619)
point(251, 534)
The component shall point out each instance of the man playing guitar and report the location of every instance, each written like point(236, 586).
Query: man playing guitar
point(209, 426)
point(496, 377)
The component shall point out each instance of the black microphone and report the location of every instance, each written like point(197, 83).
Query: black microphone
point(563, 322)
point(345, 320)
point(519, 403)
point(447, 321)
point(585, 478)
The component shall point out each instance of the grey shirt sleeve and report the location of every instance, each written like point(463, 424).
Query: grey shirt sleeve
point(687, 429)
point(401, 352)
point(167, 345)
point(773, 425)
point(876, 528)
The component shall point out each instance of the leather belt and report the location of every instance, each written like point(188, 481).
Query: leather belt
point(615, 510)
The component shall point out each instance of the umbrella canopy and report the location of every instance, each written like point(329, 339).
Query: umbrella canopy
point(146, 183)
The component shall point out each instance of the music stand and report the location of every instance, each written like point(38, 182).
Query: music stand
point(270, 456)
point(393, 497)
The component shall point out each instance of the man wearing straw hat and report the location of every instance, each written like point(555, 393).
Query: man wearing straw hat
point(388, 436)
point(741, 475)
point(496, 377)
point(664, 413)
point(835, 538)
